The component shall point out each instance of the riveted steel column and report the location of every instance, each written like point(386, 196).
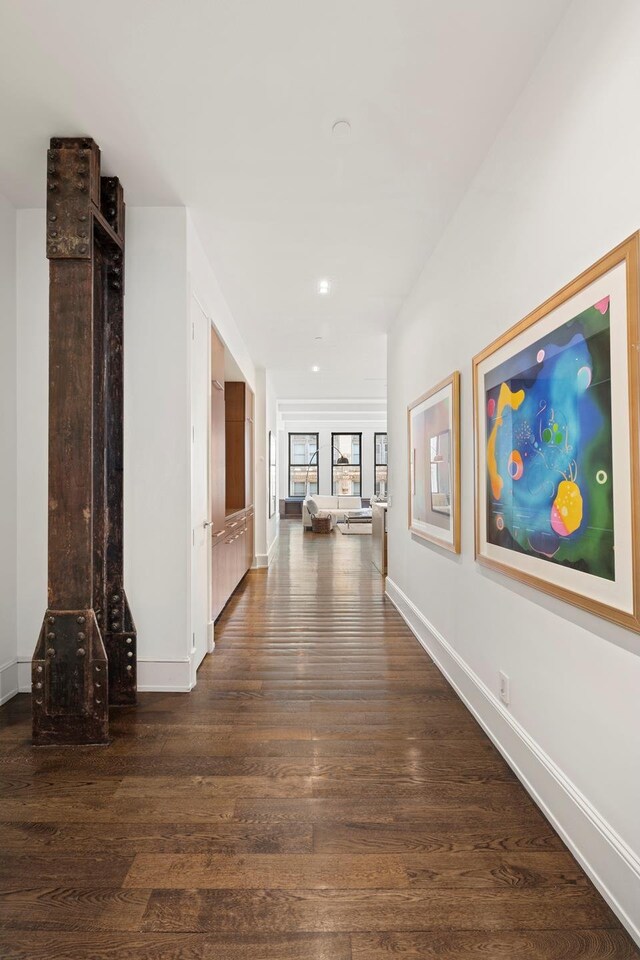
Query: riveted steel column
point(71, 670)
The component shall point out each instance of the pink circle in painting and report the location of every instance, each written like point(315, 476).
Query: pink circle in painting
point(540, 356)
point(558, 523)
point(499, 523)
point(491, 407)
point(602, 305)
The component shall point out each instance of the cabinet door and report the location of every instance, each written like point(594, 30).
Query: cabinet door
point(248, 447)
point(217, 591)
point(217, 470)
point(249, 544)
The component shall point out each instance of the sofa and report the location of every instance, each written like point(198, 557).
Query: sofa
point(336, 506)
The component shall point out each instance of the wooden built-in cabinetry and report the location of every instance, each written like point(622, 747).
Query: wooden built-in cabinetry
point(232, 557)
point(232, 443)
point(239, 445)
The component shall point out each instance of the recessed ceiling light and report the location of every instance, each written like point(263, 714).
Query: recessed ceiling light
point(317, 338)
point(341, 129)
point(324, 287)
point(315, 368)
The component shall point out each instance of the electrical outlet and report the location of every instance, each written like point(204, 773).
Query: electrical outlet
point(504, 688)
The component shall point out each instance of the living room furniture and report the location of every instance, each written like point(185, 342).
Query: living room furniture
point(290, 508)
point(358, 516)
point(379, 531)
point(322, 523)
point(337, 506)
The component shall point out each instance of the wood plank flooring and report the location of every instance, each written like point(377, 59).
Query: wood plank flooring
point(321, 795)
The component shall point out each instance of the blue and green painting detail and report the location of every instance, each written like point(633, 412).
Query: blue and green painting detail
point(549, 458)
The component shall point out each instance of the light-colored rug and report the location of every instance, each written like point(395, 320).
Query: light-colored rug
point(357, 529)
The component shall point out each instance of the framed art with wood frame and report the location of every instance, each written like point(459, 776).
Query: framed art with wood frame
point(556, 409)
point(433, 422)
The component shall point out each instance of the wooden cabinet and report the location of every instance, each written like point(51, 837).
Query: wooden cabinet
point(232, 458)
point(218, 444)
point(238, 445)
point(232, 556)
point(249, 539)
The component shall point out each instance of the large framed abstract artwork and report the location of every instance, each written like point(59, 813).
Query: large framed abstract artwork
point(557, 418)
point(434, 464)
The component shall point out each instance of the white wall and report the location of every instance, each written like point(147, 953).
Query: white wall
point(165, 266)
point(367, 429)
point(266, 419)
point(558, 189)
point(8, 473)
point(157, 450)
point(33, 419)
point(204, 286)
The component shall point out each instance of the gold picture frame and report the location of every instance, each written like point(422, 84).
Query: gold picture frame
point(560, 391)
point(433, 432)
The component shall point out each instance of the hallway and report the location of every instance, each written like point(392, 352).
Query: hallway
point(321, 795)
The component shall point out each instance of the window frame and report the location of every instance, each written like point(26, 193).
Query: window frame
point(376, 462)
point(303, 433)
point(334, 446)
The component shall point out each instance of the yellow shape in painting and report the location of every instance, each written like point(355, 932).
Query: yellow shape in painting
point(568, 503)
point(506, 398)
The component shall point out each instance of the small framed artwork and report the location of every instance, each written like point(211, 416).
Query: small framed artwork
point(434, 464)
point(556, 410)
point(272, 475)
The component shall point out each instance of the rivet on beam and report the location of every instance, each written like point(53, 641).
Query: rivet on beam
point(51, 652)
point(51, 636)
point(80, 652)
point(80, 620)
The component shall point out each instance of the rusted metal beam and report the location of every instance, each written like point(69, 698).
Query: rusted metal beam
point(85, 655)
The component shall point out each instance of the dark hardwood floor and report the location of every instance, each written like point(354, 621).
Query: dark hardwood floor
point(321, 795)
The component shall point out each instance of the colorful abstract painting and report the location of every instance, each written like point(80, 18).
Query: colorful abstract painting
point(549, 489)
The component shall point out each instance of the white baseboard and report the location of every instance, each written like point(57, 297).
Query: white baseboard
point(611, 864)
point(170, 676)
point(24, 674)
point(211, 643)
point(265, 559)
point(9, 684)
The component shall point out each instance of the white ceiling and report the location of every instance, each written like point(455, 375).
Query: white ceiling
point(227, 106)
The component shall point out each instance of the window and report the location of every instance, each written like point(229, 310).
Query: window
point(303, 464)
point(380, 465)
point(346, 470)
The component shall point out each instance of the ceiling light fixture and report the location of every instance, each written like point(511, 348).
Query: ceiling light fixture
point(341, 129)
point(315, 368)
point(324, 287)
